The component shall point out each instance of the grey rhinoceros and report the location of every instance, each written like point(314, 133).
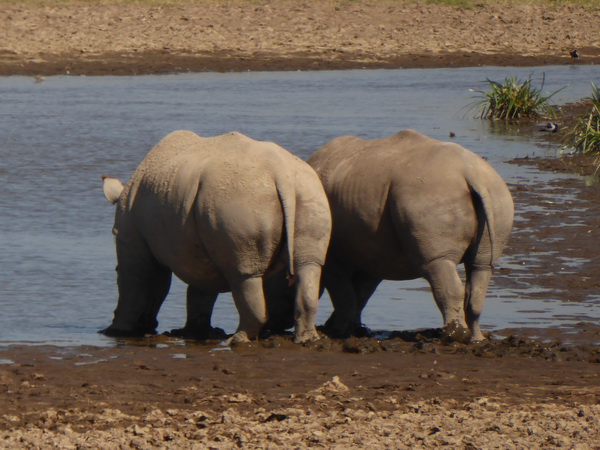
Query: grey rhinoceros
point(222, 213)
point(405, 207)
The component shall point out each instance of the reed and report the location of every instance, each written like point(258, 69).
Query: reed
point(584, 136)
point(513, 99)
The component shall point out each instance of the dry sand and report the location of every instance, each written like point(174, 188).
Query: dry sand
point(105, 38)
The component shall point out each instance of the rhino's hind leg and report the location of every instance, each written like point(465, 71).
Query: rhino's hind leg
point(476, 289)
point(449, 295)
point(307, 302)
point(250, 302)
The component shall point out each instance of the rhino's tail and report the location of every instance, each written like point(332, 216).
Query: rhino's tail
point(286, 191)
point(479, 190)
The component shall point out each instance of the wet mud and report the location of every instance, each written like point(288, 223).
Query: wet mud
point(413, 390)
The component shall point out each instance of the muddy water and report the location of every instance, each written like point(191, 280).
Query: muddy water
point(57, 283)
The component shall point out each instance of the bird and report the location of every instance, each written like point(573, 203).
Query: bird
point(574, 54)
point(551, 127)
point(452, 134)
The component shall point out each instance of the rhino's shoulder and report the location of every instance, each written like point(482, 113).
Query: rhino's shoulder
point(175, 139)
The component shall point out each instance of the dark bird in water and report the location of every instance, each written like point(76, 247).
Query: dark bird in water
point(451, 134)
point(552, 127)
point(574, 54)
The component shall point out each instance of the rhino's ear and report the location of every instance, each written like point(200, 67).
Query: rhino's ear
point(112, 188)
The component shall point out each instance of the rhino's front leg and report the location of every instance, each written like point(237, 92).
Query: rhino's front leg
point(346, 311)
point(143, 286)
point(200, 304)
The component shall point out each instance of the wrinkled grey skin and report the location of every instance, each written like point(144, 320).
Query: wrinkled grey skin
point(223, 214)
point(407, 207)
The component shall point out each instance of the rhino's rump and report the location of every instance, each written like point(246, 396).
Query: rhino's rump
point(208, 217)
point(399, 203)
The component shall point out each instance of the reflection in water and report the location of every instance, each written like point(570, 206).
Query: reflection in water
point(58, 279)
point(591, 180)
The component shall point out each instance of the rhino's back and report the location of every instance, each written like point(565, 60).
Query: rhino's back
point(350, 157)
point(181, 159)
point(394, 190)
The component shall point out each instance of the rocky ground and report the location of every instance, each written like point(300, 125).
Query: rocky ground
point(398, 393)
point(411, 390)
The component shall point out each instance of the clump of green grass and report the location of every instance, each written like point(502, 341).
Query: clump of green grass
point(513, 99)
point(584, 136)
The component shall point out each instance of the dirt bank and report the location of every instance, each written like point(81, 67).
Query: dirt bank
point(514, 393)
point(104, 38)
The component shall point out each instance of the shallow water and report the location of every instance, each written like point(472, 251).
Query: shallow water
point(57, 283)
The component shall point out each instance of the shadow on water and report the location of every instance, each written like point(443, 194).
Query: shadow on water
point(58, 259)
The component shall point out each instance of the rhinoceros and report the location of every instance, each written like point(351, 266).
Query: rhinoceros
point(406, 207)
point(221, 213)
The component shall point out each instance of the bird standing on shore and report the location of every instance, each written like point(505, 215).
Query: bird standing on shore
point(574, 54)
point(551, 127)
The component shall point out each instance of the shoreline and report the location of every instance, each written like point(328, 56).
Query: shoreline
point(158, 63)
point(276, 394)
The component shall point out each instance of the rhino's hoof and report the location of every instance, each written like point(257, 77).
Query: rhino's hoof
point(456, 332)
point(200, 335)
point(478, 337)
point(362, 331)
point(306, 336)
point(336, 333)
point(116, 332)
point(241, 337)
point(345, 332)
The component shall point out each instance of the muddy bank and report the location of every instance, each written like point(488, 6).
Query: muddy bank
point(567, 229)
point(163, 392)
point(112, 38)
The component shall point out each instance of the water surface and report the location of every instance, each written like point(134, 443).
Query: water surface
point(57, 283)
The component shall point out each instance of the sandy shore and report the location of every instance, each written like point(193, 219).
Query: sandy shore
point(98, 39)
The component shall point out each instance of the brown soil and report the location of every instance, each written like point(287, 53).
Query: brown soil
point(100, 39)
point(410, 390)
point(514, 393)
